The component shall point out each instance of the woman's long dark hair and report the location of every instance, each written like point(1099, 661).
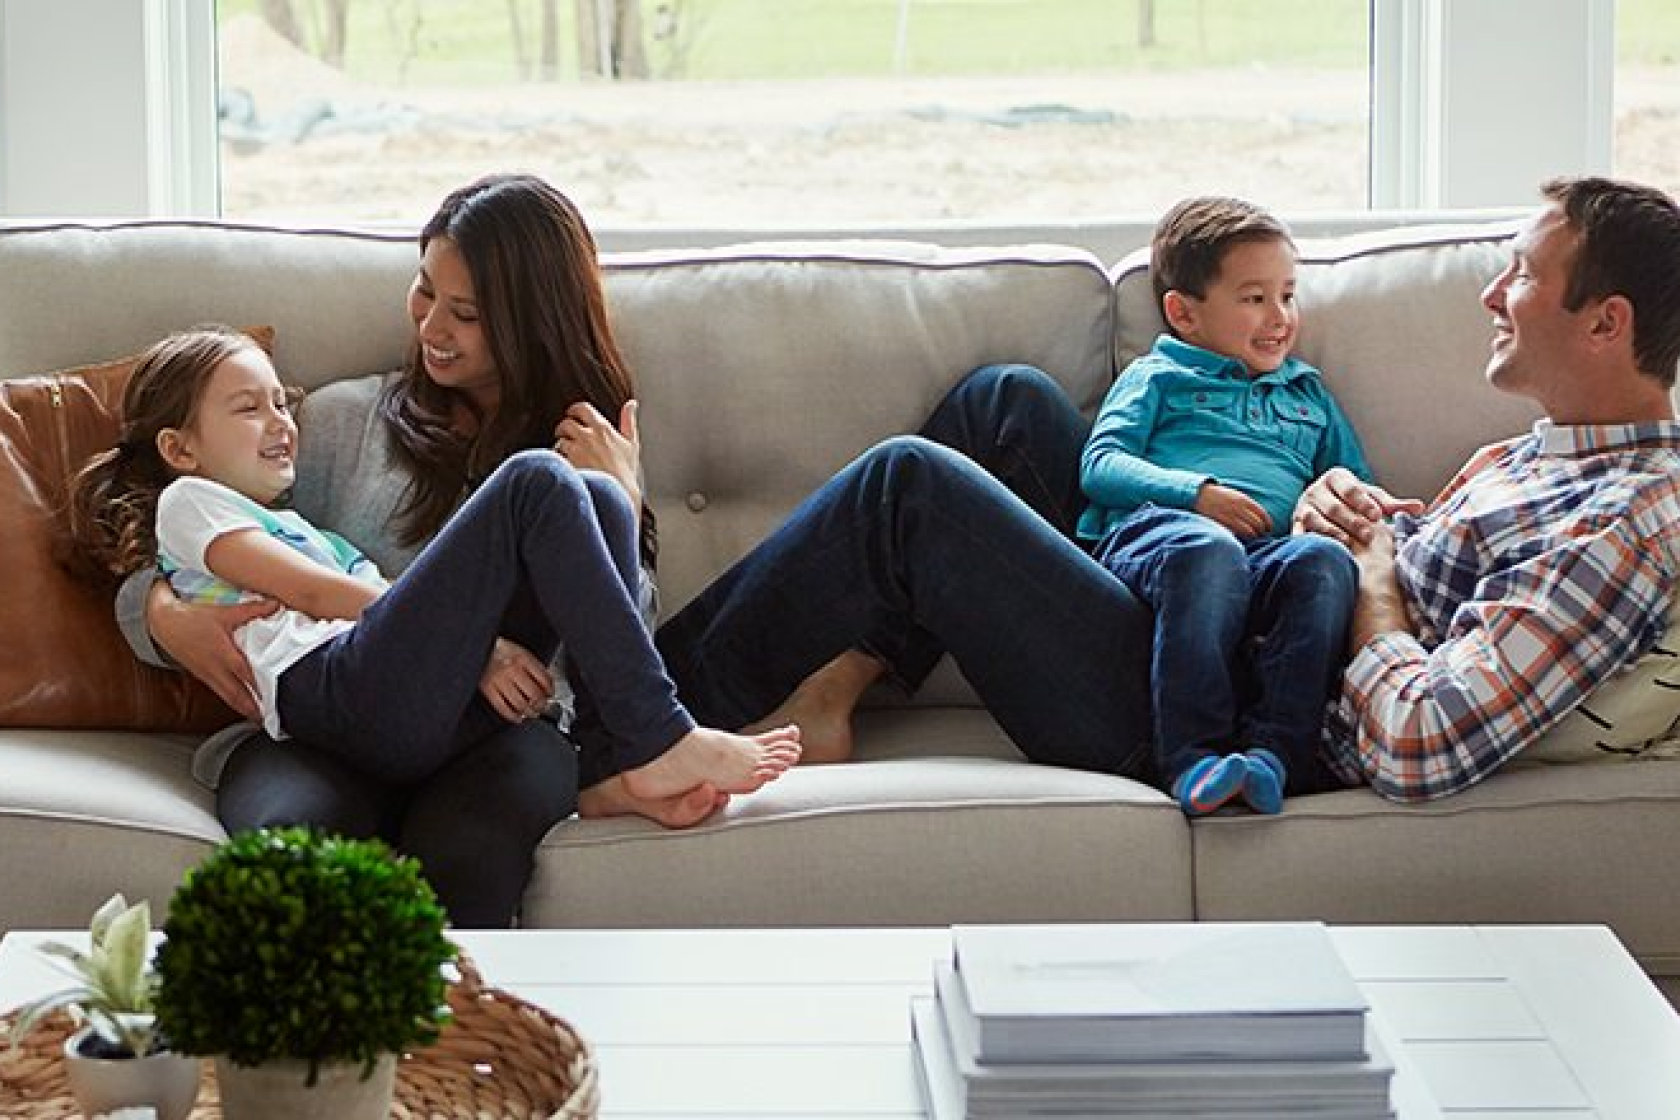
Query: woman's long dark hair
point(542, 302)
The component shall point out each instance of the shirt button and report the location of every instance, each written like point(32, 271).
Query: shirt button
point(696, 501)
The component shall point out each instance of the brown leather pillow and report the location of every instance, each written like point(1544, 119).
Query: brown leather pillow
point(63, 662)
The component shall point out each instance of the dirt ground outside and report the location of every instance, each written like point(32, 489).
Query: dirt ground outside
point(300, 141)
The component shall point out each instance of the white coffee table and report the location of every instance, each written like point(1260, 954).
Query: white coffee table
point(1492, 1023)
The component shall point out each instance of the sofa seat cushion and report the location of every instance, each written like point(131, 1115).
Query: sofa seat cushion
point(1551, 844)
point(89, 813)
point(915, 830)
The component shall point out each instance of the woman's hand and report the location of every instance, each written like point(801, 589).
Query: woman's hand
point(1338, 505)
point(199, 638)
point(588, 440)
point(516, 682)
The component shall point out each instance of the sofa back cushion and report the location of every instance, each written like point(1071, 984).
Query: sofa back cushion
point(72, 294)
point(762, 369)
point(1395, 322)
point(765, 368)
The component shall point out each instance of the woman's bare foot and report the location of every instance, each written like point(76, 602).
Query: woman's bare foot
point(684, 810)
point(730, 762)
point(821, 707)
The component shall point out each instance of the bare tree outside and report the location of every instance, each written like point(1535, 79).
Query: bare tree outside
point(548, 64)
point(281, 16)
point(322, 28)
point(610, 43)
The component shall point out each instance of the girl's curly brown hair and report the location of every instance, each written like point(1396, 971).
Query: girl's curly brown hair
point(113, 498)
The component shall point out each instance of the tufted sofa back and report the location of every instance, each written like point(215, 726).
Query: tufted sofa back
point(763, 368)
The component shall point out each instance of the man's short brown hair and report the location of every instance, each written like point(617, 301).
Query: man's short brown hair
point(1629, 245)
point(1192, 238)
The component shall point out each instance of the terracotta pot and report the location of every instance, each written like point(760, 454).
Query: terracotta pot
point(165, 1082)
point(278, 1091)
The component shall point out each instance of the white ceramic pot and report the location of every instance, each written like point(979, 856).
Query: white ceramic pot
point(167, 1083)
point(277, 1090)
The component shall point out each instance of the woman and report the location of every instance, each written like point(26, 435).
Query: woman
point(512, 350)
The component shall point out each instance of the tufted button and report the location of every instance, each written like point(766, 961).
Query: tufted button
point(696, 501)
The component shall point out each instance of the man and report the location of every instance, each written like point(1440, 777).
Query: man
point(1547, 564)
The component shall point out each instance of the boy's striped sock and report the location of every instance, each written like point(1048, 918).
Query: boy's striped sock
point(1210, 783)
point(1263, 780)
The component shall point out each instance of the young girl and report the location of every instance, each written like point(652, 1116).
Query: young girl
point(397, 679)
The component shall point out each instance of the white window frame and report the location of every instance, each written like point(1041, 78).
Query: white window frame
point(1472, 103)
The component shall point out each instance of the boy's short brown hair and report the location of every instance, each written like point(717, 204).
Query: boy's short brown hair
point(1191, 240)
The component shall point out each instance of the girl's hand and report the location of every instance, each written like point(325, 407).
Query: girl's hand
point(516, 682)
point(200, 639)
point(1233, 509)
point(587, 440)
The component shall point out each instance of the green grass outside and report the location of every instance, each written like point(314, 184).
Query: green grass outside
point(469, 41)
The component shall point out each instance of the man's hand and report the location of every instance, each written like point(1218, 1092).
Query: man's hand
point(516, 682)
point(588, 440)
point(1381, 607)
point(1233, 509)
point(1338, 505)
point(200, 639)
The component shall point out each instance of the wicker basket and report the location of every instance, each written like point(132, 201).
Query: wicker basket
point(501, 1057)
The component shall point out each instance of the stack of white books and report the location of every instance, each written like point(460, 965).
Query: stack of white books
point(1182, 1020)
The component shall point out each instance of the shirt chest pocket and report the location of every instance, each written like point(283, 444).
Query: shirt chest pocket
point(1214, 408)
point(1300, 425)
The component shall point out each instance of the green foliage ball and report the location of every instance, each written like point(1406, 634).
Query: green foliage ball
point(288, 943)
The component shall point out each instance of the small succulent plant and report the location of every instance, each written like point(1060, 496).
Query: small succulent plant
point(116, 985)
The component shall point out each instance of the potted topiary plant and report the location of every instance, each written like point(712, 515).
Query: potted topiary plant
point(117, 1059)
point(304, 964)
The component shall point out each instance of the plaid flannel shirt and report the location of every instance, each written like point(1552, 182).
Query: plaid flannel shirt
point(1542, 568)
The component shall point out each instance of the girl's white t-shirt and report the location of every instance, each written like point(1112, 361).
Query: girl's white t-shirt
point(193, 512)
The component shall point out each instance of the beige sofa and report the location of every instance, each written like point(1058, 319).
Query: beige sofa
point(764, 368)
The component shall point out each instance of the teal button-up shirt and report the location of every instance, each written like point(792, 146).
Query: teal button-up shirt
point(1180, 416)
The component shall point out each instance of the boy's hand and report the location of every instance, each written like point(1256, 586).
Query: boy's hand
point(1233, 509)
point(516, 682)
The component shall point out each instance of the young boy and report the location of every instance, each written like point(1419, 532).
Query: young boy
point(1192, 470)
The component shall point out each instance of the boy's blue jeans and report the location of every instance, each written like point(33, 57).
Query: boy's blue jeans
point(1250, 636)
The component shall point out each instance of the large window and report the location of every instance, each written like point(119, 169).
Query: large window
point(754, 112)
point(712, 114)
point(1647, 134)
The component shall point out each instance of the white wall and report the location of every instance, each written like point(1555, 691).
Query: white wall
point(1524, 94)
point(107, 108)
point(72, 107)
